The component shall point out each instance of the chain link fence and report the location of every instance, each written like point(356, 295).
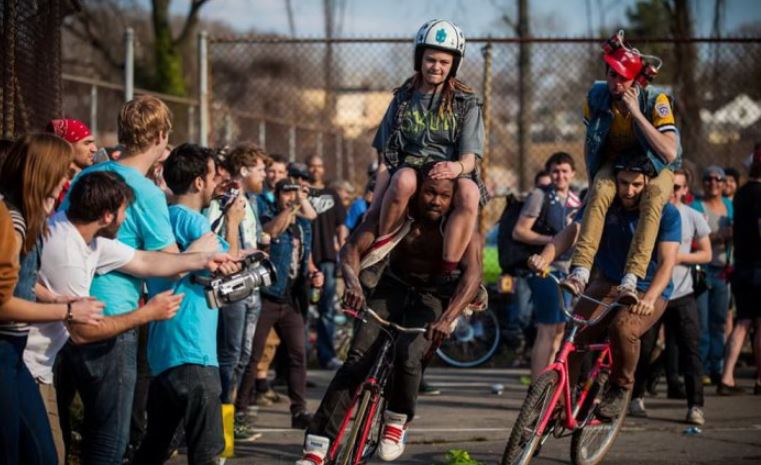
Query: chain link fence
point(304, 96)
point(30, 64)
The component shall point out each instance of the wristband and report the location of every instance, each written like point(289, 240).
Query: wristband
point(69, 314)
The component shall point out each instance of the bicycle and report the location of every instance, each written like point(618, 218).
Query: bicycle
point(473, 342)
point(368, 402)
point(541, 415)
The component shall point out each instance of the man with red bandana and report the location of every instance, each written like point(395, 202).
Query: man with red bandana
point(625, 115)
point(80, 137)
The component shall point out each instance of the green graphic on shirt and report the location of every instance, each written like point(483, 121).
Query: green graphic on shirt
point(415, 122)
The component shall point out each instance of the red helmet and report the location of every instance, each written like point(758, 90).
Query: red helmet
point(627, 63)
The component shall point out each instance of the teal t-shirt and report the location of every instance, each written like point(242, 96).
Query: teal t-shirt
point(191, 336)
point(146, 227)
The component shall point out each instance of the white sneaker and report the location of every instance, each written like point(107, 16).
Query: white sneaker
point(315, 450)
point(695, 416)
point(637, 408)
point(393, 436)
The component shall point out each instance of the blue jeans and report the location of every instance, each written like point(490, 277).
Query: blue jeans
point(105, 374)
point(546, 299)
point(518, 311)
point(188, 394)
point(237, 323)
point(325, 326)
point(713, 305)
point(25, 435)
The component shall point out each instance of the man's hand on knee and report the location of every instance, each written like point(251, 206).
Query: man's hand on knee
point(644, 307)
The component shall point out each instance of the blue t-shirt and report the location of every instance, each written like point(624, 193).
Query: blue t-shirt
point(191, 336)
point(357, 210)
point(146, 227)
point(617, 236)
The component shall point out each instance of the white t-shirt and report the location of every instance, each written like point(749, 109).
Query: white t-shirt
point(694, 226)
point(68, 265)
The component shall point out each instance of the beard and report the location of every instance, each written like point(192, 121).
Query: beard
point(110, 231)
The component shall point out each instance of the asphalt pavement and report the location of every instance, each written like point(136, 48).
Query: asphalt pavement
point(469, 416)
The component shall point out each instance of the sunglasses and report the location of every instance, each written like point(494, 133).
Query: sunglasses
point(678, 187)
point(713, 179)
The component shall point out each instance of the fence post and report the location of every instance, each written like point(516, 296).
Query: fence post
point(485, 162)
point(292, 144)
point(263, 134)
point(94, 110)
point(203, 88)
point(192, 123)
point(339, 157)
point(319, 144)
point(129, 64)
point(350, 159)
point(228, 129)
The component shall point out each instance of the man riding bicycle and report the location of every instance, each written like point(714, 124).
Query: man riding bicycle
point(625, 326)
point(408, 293)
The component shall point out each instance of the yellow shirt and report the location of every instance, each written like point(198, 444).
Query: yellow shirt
point(621, 136)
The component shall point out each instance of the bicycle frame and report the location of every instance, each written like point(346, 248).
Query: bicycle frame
point(560, 365)
point(375, 383)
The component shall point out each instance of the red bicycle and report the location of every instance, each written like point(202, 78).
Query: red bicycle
point(366, 411)
point(543, 415)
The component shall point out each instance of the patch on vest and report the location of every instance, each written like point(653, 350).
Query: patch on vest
point(663, 109)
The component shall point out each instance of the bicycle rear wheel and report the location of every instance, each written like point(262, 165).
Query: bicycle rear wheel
point(590, 443)
point(474, 340)
point(524, 440)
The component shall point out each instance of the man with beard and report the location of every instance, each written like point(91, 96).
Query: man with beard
point(80, 244)
point(407, 293)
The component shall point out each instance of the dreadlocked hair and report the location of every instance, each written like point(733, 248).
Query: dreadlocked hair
point(451, 85)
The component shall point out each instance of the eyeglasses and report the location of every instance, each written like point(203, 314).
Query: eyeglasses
point(713, 179)
point(678, 187)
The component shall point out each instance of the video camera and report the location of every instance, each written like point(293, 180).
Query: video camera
point(257, 271)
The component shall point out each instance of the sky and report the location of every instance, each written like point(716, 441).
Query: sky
point(402, 18)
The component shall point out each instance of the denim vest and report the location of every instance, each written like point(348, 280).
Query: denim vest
point(556, 215)
point(601, 118)
point(27, 276)
point(281, 254)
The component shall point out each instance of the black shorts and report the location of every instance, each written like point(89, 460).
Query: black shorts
point(746, 286)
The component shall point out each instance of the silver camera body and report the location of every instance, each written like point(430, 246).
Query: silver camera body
point(257, 272)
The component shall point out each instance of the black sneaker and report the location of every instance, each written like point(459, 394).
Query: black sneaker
point(612, 404)
point(428, 390)
point(727, 390)
point(301, 420)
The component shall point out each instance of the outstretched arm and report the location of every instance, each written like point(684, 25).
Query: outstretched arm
point(560, 243)
point(161, 264)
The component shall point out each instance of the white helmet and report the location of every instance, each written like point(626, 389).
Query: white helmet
point(441, 35)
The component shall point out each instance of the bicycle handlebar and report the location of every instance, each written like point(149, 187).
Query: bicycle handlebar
point(570, 314)
point(382, 322)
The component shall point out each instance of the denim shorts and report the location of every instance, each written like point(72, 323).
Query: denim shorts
point(545, 299)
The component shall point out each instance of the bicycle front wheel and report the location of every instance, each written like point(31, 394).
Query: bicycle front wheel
point(474, 341)
point(524, 438)
point(590, 443)
point(362, 440)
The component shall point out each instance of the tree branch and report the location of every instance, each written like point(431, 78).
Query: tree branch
point(190, 22)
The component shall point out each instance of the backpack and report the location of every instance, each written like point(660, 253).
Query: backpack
point(513, 254)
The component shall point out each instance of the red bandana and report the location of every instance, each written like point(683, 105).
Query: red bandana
point(71, 130)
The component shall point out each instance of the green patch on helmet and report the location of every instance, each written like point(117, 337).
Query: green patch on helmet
point(441, 36)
